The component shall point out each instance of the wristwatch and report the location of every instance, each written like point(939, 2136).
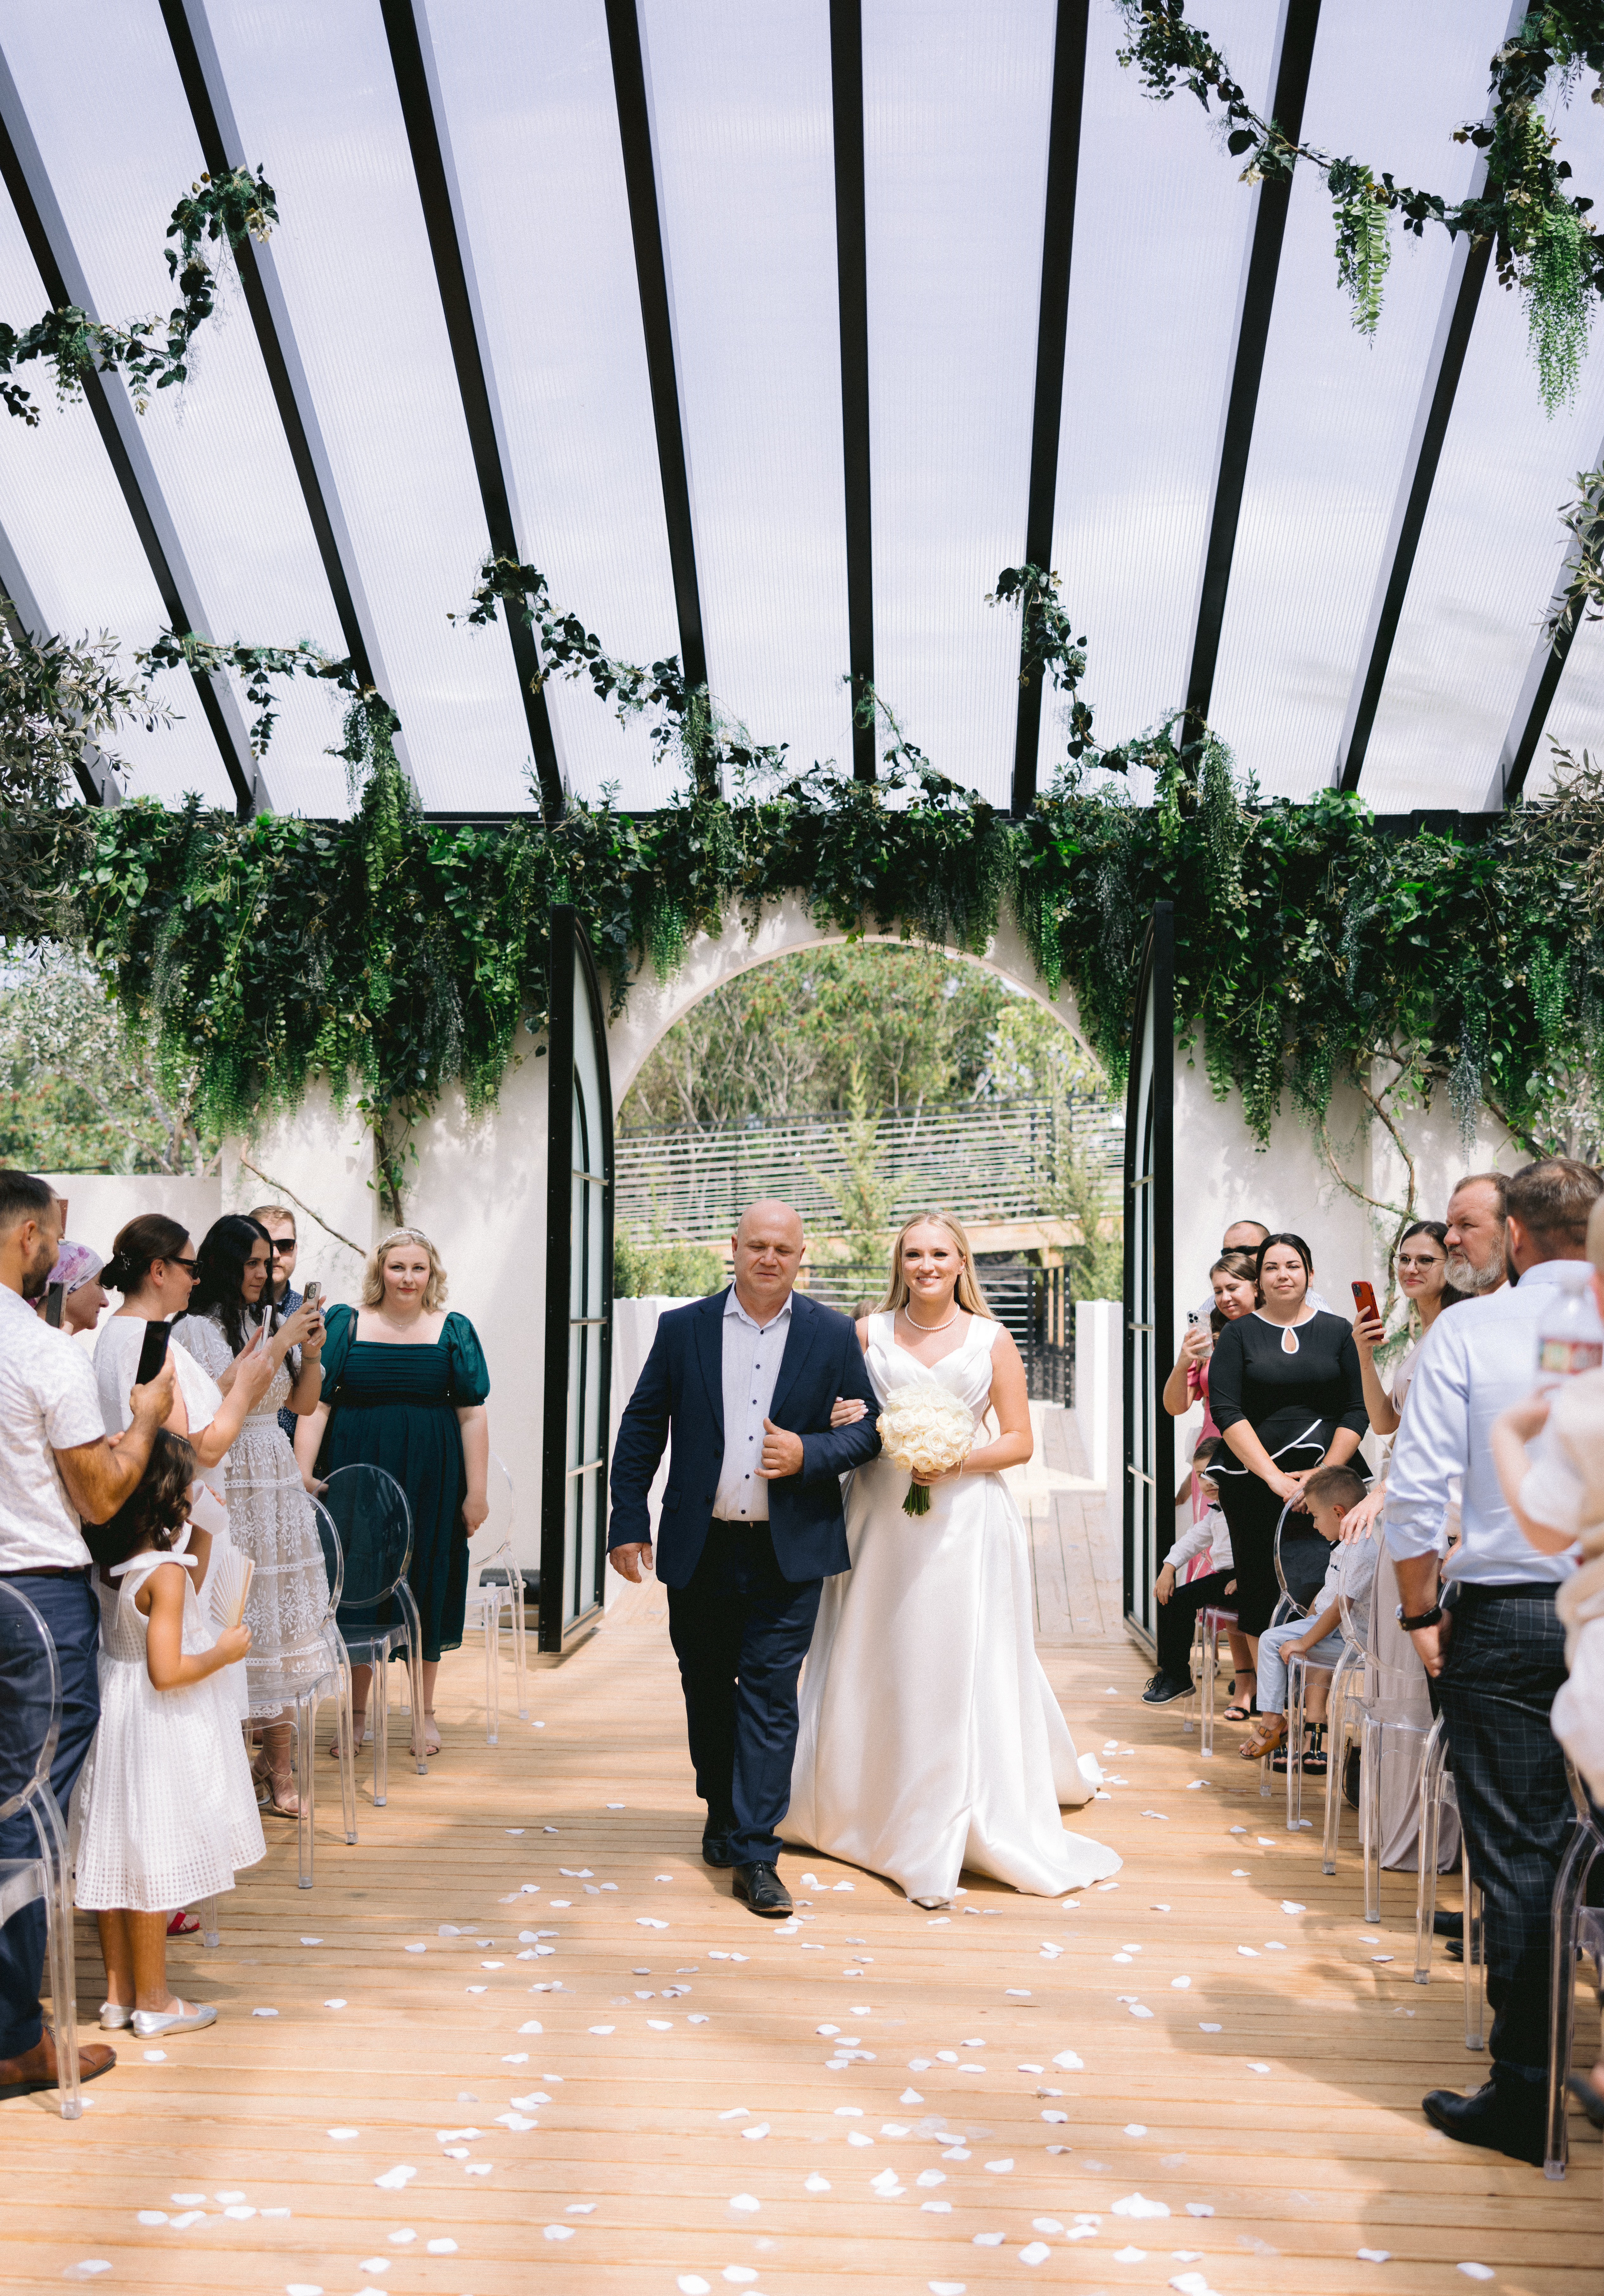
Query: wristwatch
point(1425, 1619)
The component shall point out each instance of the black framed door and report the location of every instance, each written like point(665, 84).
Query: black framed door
point(1149, 1467)
point(578, 1318)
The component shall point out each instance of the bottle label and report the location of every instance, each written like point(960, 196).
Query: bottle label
point(1562, 1358)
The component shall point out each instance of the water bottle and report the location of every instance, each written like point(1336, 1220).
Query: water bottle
point(1570, 1337)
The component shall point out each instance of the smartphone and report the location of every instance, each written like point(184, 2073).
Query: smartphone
point(1364, 1299)
point(152, 1354)
point(312, 1294)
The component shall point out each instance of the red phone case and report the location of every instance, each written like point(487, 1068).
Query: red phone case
point(1364, 1297)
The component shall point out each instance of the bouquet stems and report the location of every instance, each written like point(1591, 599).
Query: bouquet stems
point(918, 1501)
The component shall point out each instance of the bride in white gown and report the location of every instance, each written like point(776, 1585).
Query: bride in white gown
point(929, 1738)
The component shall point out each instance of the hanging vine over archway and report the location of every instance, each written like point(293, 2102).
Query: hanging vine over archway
point(1543, 246)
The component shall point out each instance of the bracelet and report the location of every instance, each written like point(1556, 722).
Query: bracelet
point(1425, 1619)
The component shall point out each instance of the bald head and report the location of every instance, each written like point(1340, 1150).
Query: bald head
point(768, 1251)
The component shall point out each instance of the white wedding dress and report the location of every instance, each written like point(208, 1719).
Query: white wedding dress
point(929, 1739)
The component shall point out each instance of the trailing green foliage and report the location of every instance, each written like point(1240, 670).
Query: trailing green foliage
point(73, 345)
point(1543, 244)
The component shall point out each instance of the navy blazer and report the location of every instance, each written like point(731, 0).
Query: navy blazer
point(680, 1392)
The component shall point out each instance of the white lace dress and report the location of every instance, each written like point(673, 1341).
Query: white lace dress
point(929, 1739)
point(165, 1811)
point(270, 1519)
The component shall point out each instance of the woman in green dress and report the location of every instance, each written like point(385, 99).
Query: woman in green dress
point(403, 1389)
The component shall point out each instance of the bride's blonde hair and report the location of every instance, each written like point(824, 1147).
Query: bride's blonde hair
point(967, 1291)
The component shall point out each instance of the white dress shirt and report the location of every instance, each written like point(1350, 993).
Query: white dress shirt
point(751, 1365)
point(47, 1404)
point(1478, 1358)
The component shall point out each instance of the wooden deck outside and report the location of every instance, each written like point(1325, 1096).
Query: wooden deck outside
point(519, 2037)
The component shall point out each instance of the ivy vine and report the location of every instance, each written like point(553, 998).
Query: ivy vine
point(1543, 246)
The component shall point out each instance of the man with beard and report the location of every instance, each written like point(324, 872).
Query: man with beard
point(1492, 1641)
point(57, 1468)
point(1474, 1239)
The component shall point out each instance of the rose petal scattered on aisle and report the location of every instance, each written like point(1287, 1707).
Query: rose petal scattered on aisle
point(1374, 2255)
point(1475, 2271)
point(555, 2232)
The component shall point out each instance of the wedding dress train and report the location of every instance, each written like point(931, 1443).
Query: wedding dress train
point(929, 1739)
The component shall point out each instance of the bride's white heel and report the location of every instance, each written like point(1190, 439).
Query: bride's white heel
point(934, 1905)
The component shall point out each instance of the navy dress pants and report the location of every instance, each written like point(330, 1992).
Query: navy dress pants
point(741, 1632)
point(72, 1615)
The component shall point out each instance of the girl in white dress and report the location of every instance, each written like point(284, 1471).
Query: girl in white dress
point(165, 1809)
point(930, 1737)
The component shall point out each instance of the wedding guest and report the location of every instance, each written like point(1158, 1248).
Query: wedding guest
point(1317, 1639)
point(57, 1470)
point(404, 1387)
point(152, 1264)
point(269, 1517)
point(1234, 1289)
point(279, 1221)
point(1287, 1395)
point(1474, 1234)
point(1208, 1541)
point(1496, 1648)
point(76, 1271)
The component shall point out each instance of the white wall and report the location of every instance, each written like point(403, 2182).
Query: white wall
point(320, 1162)
point(99, 1203)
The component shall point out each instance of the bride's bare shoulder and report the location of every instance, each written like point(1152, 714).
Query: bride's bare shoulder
point(862, 1328)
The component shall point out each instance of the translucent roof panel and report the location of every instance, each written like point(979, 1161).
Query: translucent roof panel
point(1575, 718)
point(1161, 226)
point(745, 153)
point(528, 94)
point(956, 106)
point(1335, 410)
point(257, 574)
point(314, 94)
point(66, 520)
point(1489, 551)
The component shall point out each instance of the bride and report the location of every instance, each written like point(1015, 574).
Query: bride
point(929, 1738)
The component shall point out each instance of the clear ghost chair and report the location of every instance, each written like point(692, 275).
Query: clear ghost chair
point(30, 1720)
point(1578, 1928)
point(378, 1611)
point(1302, 1559)
point(494, 1583)
point(1383, 1707)
point(296, 1662)
point(1437, 1794)
point(1211, 1622)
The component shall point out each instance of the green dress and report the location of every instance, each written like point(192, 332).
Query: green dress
point(394, 1406)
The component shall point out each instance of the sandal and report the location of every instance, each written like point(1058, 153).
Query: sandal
point(1241, 1709)
point(1314, 1761)
point(182, 1924)
point(1265, 1736)
point(283, 1800)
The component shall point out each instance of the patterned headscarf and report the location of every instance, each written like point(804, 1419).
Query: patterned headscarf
point(76, 1264)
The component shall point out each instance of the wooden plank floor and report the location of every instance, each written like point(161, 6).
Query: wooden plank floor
point(648, 2103)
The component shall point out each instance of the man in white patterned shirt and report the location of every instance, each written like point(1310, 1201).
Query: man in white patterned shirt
point(56, 1467)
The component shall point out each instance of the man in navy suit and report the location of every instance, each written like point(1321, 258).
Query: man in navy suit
point(751, 1523)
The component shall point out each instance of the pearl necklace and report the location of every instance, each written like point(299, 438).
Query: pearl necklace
point(930, 1330)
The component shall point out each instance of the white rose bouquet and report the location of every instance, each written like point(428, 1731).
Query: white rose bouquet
point(925, 1431)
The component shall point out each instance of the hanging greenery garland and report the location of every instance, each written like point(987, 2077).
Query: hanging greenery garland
point(1543, 244)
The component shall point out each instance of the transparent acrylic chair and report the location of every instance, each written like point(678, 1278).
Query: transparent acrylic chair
point(1211, 1623)
point(1437, 1795)
point(297, 1663)
point(1302, 1558)
point(30, 1720)
point(1385, 1708)
point(378, 1612)
point(494, 1584)
point(1578, 1928)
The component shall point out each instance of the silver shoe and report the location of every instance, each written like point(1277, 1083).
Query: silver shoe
point(149, 2024)
point(114, 2018)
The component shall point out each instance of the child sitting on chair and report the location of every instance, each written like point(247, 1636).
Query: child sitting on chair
point(1331, 1493)
point(1180, 1603)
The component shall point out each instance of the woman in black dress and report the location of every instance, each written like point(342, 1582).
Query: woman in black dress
point(1287, 1395)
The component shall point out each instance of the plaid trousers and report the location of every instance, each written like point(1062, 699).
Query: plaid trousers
point(1505, 1664)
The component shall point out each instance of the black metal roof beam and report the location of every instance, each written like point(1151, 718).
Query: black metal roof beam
point(633, 97)
point(51, 246)
point(1466, 269)
point(1052, 333)
point(24, 617)
point(1541, 683)
point(223, 148)
point(851, 287)
point(417, 81)
point(1255, 301)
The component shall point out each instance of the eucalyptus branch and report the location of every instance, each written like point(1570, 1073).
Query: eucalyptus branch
point(300, 1203)
point(1543, 244)
point(152, 353)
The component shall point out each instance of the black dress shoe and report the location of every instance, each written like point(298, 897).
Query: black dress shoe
point(716, 1844)
point(762, 1889)
point(1163, 1689)
point(1505, 2116)
point(1449, 1925)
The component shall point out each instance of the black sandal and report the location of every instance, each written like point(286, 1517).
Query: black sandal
point(1240, 1709)
point(1316, 1761)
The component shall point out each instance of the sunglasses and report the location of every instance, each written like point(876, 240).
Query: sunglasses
point(281, 1250)
point(188, 1266)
